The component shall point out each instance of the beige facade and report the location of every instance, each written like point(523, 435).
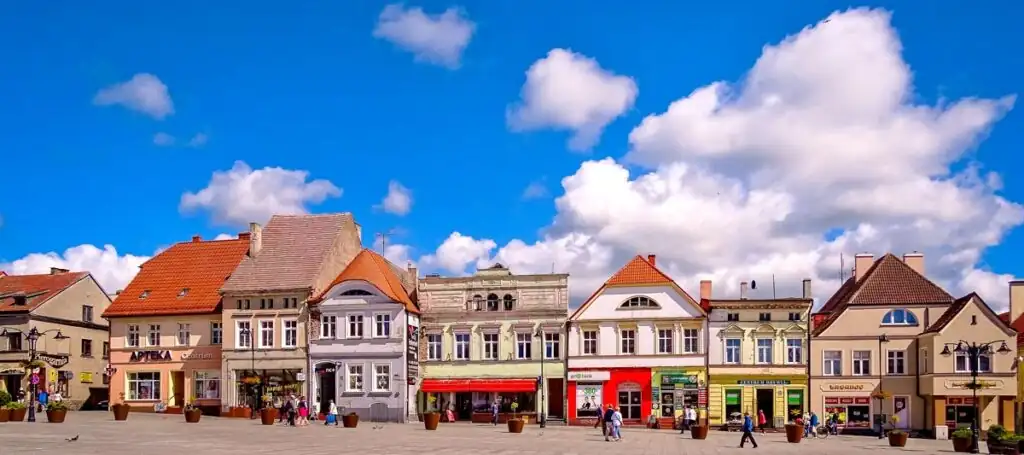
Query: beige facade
point(75, 366)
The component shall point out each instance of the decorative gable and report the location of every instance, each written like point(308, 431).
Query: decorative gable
point(639, 290)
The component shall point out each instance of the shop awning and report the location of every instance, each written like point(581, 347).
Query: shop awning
point(479, 385)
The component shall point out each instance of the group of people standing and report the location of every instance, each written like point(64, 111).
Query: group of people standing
point(296, 411)
point(611, 423)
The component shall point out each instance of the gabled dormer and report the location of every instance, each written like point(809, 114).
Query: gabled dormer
point(639, 291)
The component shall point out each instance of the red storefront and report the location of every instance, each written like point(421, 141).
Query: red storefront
point(590, 390)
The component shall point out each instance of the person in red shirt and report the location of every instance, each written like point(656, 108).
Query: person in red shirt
point(761, 420)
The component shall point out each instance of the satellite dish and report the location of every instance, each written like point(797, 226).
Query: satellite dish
point(753, 284)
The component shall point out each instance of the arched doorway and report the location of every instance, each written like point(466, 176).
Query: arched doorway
point(327, 385)
point(629, 400)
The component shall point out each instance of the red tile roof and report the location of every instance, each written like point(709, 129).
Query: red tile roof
point(639, 271)
point(1017, 325)
point(36, 288)
point(380, 273)
point(950, 314)
point(201, 267)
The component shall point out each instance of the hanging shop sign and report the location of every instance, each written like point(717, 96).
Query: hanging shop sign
point(412, 353)
point(150, 356)
point(54, 360)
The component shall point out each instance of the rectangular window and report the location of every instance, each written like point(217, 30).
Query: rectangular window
point(764, 350)
point(628, 342)
point(106, 349)
point(270, 304)
point(87, 313)
point(216, 332)
point(832, 363)
point(524, 348)
point(461, 346)
point(184, 334)
point(590, 342)
point(354, 378)
point(490, 346)
point(243, 334)
point(266, 334)
point(154, 335)
point(328, 327)
point(86, 348)
point(794, 350)
point(794, 316)
point(14, 342)
point(896, 362)
point(381, 325)
point(132, 340)
point(382, 378)
point(665, 341)
point(764, 317)
point(732, 351)
point(434, 346)
point(690, 337)
point(207, 385)
point(238, 304)
point(732, 317)
point(143, 386)
point(289, 333)
point(862, 363)
point(263, 304)
point(552, 346)
point(248, 304)
point(963, 363)
point(355, 326)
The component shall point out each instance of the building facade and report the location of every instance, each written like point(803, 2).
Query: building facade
point(757, 356)
point(166, 330)
point(493, 336)
point(878, 350)
point(1015, 317)
point(639, 342)
point(68, 302)
point(265, 317)
point(363, 352)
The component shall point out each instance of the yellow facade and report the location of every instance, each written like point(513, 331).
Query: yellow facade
point(787, 394)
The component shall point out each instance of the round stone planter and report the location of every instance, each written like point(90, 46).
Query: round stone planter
point(897, 439)
point(794, 433)
point(350, 420)
point(5, 415)
point(962, 445)
point(56, 416)
point(193, 415)
point(18, 415)
point(699, 431)
point(515, 425)
point(430, 420)
point(120, 412)
point(268, 416)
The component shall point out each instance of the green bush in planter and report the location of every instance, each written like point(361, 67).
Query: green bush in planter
point(4, 398)
point(962, 433)
point(15, 405)
point(57, 406)
point(995, 433)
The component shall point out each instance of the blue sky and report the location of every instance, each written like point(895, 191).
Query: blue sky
point(311, 87)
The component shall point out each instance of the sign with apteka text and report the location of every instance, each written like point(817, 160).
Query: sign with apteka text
point(150, 356)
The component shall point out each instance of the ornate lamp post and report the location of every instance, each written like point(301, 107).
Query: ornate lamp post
point(247, 332)
point(32, 336)
point(974, 351)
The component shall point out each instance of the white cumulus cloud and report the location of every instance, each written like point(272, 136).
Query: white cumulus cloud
point(112, 270)
point(398, 201)
point(163, 139)
point(570, 91)
point(241, 195)
point(143, 93)
point(433, 38)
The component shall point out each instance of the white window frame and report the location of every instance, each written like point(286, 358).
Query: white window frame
point(666, 341)
point(967, 363)
point(358, 320)
point(216, 332)
point(153, 332)
point(154, 384)
point(893, 358)
point(691, 341)
point(203, 378)
point(831, 366)
point(328, 327)
point(552, 345)
point(435, 346)
point(861, 364)
point(765, 350)
point(736, 352)
point(294, 331)
point(184, 337)
point(623, 341)
point(132, 338)
point(349, 374)
point(486, 352)
point(524, 345)
point(596, 345)
point(262, 330)
point(377, 375)
point(466, 345)
point(794, 351)
point(382, 323)
point(239, 325)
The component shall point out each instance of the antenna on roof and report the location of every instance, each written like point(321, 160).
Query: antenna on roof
point(552, 268)
point(842, 268)
point(773, 286)
point(383, 236)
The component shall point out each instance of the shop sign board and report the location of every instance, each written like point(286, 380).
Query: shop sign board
point(585, 376)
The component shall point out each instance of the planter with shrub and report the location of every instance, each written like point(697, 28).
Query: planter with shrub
point(350, 420)
point(17, 411)
point(268, 415)
point(897, 437)
point(515, 424)
point(120, 410)
point(431, 418)
point(56, 411)
point(961, 440)
point(1001, 441)
point(5, 414)
point(192, 413)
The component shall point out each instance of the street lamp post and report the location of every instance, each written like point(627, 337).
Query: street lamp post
point(247, 333)
point(881, 425)
point(543, 382)
point(33, 336)
point(974, 351)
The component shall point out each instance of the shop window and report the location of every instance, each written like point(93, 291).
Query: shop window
point(665, 341)
point(588, 399)
point(794, 403)
point(527, 402)
point(832, 363)
point(434, 346)
point(524, 345)
point(899, 317)
point(629, 401)
point(733, 404)
point(461, 346)
point(207, 384)
point(959, 415)
point(862, 363)
point(690, 343)
point(590, 342)
point(143, 386)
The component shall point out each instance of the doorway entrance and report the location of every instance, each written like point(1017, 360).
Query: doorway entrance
point(326, 379)
point(901, 410)
point(464, 406)
point(765, 402)
point(555, 398)
point(178, 388)
point(629, 401)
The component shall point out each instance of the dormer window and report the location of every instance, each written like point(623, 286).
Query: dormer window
point(183, 293)
point(510, 302)
point(144, 294)
point(899, 317)
point(492, 302)
point(639, 302)
point(356, 292)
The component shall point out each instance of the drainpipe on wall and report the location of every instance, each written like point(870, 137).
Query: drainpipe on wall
point(810, 354)
point(707, 370)
point(565, 376)
point(917, 379)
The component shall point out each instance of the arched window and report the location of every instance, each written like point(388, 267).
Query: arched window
point(639, 302)
point(899, 317)
point(510, 302)
point(356, 292)
point(478, 302)
point(492, 302)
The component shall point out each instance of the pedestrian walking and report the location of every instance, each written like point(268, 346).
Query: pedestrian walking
point(332, 414)
point(608, 429)
point(617, 425)
point(761, 420)
point(303, 412)
point(693, 416)
point(748, 430)
point(600, 422)
point(494, 413)
point(814, 424)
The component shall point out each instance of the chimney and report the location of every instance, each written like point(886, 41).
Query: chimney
point(651, 258)
point(244, 236)
point(196, 239)
point(1016, 300)
point(118, 292)
point(862, 264)
point(705, 289)
point(743, 290)
point(915, 260)
point(57, 271)
point(807, 288)
point(255, 239)
point(414, 273)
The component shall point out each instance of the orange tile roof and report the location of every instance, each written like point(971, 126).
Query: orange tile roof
point(1017, 325)
point(951, 313)
point(639, 271)
point(36, 288)
point(374, 269)
point(202, 267)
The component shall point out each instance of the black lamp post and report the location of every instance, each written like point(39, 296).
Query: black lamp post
point(974, 351)
point(881, 395)
point(33, 336)
point(543, 381)
point(247, 332)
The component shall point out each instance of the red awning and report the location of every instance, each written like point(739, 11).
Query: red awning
point(479, 385)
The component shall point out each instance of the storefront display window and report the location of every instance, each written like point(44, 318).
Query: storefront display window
point(207, 385)
point(853, 412)
point(629, 401)
point(794, 403)
point(588, 399)
point(733, 404)
point(959, 412)
point(143, 386)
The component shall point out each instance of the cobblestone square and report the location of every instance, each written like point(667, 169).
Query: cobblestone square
point(154, 434)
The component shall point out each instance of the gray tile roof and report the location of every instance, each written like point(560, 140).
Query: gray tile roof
point(292, 255)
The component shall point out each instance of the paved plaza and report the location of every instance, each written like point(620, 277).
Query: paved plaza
point(153, 434)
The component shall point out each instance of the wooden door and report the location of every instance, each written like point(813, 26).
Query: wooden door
point(556, 398)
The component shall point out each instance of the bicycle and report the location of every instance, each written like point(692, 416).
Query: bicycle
point(823, 431)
